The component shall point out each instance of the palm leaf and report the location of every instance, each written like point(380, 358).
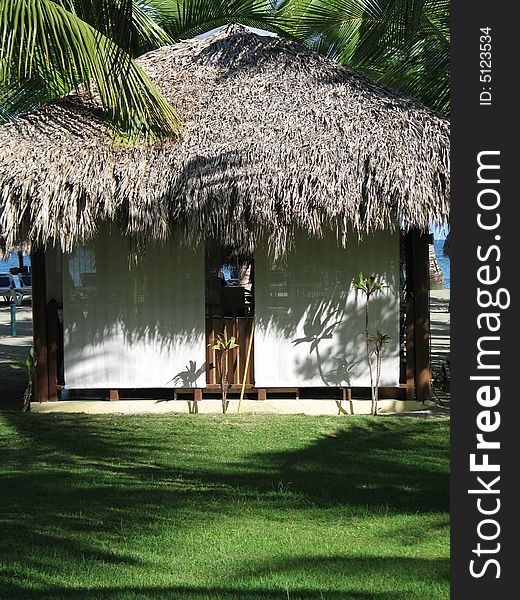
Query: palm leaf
point(42, 39)
point(402, 43)
point(183, 19)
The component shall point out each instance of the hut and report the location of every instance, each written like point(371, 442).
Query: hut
point(293, 169)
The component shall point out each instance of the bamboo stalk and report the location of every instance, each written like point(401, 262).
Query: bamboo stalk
point(247, 366)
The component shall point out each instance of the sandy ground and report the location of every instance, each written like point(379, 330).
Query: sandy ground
point(440, 338)
point(12, 382)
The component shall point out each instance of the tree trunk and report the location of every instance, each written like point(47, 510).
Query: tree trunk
point(372, 391)
point(223, 381)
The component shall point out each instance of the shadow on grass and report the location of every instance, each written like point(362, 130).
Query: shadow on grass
point(74, 487)
point(388, 464)
point(397, 468)
point(344, 572)
point(352, 570)
point(193, 593)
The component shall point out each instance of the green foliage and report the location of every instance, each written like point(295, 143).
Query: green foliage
point(27, 364)
point(441, 381)
point(49, 48)
point(223, 345)
point(183, 19)
point(402, 43)
point(369, 286)
point(378, 342)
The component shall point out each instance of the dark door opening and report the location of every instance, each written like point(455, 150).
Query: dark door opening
point(229, 313)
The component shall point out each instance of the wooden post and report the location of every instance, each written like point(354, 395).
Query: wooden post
point(421, 278)
point(113, 395)
point(349, 398)
point(39, 316)
point(262, 394)
point(52, 349)
point(410, 321)
point(418, 315)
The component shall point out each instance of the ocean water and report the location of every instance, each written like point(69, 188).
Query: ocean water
point(12, 261)
point(443, 261)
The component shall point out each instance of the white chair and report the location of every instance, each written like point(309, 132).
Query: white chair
point(6, 287)
point(25, 287)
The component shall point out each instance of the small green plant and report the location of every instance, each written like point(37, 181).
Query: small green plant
point(441, 381)
point(29, 366)
point(378, 342)
point(370, 286)
point(223, 345)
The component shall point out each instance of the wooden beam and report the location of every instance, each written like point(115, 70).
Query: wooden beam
point(422, 317)
point(39, 317)
point(410, 320)
point(52, 349)
point(418, 326)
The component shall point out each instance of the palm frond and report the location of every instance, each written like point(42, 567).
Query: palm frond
point(41, 38)
point(183, 19)
point(403, 43)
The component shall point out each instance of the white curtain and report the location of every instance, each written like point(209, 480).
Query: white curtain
point(133, 324)
point(310, 321)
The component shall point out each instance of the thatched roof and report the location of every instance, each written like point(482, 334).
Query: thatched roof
point(276, 137)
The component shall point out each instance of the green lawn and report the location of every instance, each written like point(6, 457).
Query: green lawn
point(195, 507)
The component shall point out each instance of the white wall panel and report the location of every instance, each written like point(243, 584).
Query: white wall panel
point(133, 325)
point(309, 328)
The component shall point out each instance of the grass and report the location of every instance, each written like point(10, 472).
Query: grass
point(196, 507)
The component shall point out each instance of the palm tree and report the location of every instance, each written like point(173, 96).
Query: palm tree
point(184, 19)
point(402, 43)
point(49, 48)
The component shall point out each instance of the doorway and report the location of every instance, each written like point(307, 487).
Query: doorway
point(229, 313)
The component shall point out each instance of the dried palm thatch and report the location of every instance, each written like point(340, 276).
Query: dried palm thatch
point(276, 138)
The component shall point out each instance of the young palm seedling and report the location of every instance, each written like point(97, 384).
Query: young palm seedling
point(378, 342)
point(223, 345)
point(29, 366)
point(370, 286)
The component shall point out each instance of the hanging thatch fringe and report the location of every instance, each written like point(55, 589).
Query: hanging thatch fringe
point(277, 137)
